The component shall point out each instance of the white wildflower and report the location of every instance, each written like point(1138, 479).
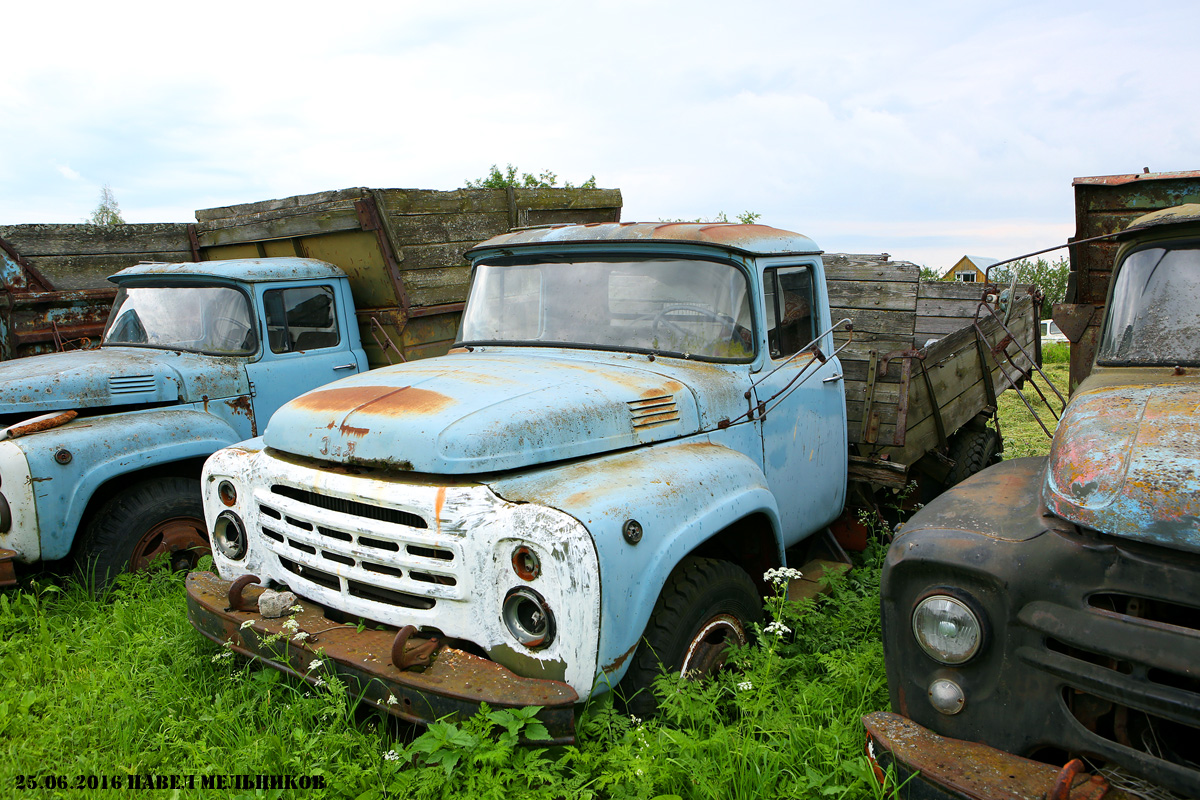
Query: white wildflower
point(227, 644)
point(297, 609)
point(291, 626)
point(782, 575)
point(390, 755)
point(391, 701)
point(314, 664)
point(745, 686)
point(222, 656)
point(635, 720)
point(319, 682)
point(246, 624)
point(777, 628)
point(300, 637)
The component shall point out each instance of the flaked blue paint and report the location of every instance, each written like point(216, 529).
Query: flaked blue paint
point(239, 270)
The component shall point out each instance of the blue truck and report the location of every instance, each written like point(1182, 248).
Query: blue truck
point(636, 423)
point(101, 449)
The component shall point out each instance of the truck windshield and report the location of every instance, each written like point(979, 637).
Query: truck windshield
point(699, 309)
point(1154, 319)
point(204, 319)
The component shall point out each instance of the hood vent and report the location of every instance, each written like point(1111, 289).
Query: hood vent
point(653, 411)
point(131, 384)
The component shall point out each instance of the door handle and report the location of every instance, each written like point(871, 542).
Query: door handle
point(833, 378)
point(354, 366)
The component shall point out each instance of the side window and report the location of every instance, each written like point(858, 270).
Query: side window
point(789, 299)
point(300, 319)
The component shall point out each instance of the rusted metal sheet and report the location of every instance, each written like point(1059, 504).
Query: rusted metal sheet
point(453, 685)
point(928, 765)
point(750, 239)
point(8, 572)
point(1124, 459)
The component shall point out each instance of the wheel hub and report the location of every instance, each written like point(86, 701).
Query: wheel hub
point(707, 650)
point(182, 539)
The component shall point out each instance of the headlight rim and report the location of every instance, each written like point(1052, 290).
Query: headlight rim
point(221, 542)
point(972, 607)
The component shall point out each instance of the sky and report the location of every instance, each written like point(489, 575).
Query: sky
point(927, 130)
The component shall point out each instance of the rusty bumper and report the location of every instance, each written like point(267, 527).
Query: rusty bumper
point(926, 765)
point(8, 572)
point(453, 685)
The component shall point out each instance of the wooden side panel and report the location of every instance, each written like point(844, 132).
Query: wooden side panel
point(879, 297)
point(83, 256)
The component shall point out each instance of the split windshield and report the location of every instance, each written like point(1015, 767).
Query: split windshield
point(1154, 319)
point(204, 319)
point(699, 309)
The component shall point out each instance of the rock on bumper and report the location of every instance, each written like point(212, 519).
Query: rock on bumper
point(453, 685)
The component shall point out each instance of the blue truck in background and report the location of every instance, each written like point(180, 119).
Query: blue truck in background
point(636, 423)
point(101, 449)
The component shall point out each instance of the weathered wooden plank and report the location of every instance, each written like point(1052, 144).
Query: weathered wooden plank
point(893, 296)
point(574, 216)
point(68, 273)
point(257, 228)
point(430, 287)
point(422, 229)
point(423, 201)
point(60, 240)
point(287, 205)
point(840, 267)
point(899, 324)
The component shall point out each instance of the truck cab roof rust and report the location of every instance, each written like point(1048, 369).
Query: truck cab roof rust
point(1124, 459)
point(759, 240)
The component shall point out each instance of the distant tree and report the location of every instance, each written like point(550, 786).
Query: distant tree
point(930, 274)
point(495, 179)
point(1049, 276)
point(746, 218)
point(108, 213)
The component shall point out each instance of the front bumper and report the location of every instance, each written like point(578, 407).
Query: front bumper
point(931, 767)
point(452, 686)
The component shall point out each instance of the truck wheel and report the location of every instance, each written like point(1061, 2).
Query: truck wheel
point(972, 449)
point(705, 606)
point(143, 522)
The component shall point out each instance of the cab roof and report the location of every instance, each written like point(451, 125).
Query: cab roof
point(247, 270)
point(755, 240)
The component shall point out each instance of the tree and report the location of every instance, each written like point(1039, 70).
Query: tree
point(746, 218)
point(108, 213)
point(929, 274)
point(1049, 276)
point(495, 179)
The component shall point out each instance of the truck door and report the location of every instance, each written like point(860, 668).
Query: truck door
point(804, 430)
point(305, 347)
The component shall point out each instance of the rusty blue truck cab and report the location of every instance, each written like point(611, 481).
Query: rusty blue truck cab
point(101, 451)
point(637, 421)
point(1047, 611)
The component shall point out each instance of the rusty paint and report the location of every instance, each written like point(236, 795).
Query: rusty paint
point(350, 430)
point(968, 769)
point(438, 502)
point(408, 653)
point(8, 572)
point(616, 663)
point(454, 684)
point(384, 400)
point(748, 239)
point(234, 593)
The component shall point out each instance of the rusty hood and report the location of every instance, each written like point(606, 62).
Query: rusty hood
point(115, 376)
point(1126, 458)
point(500, 410)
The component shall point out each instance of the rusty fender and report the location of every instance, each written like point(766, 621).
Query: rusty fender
point(69, 463)
point(930, 766)
point(453, 685)
point(680, 494)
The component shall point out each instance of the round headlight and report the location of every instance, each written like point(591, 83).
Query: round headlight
point(229, 535)
point(526, 563)
point(947, 629)
point(528, 618)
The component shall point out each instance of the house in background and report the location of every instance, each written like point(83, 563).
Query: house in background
point(969, 269)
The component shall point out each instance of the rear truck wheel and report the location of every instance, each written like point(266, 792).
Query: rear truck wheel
point(164, 516)
point(705, 606)
point(972, 449)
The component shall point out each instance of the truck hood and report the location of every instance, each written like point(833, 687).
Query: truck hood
point(114, 376)
point(503, 410)
point(1126, 460)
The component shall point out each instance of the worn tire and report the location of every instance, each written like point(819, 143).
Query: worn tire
point(704, 603)
point(972, 449)
point(141, 523)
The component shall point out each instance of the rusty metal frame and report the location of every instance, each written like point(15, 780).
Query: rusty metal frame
point(371, 219)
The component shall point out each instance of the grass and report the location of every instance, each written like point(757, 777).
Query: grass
point(123, 686)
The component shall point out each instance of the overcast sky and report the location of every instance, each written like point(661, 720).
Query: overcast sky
point(927, 130)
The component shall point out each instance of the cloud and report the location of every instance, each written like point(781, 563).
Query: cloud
point(68, 173)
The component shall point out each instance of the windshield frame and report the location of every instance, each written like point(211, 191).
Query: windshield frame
point(590, 256)
point(1103, 343)
point(247, 296)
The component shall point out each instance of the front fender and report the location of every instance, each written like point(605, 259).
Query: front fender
point(682, 493)
point(102, 448)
